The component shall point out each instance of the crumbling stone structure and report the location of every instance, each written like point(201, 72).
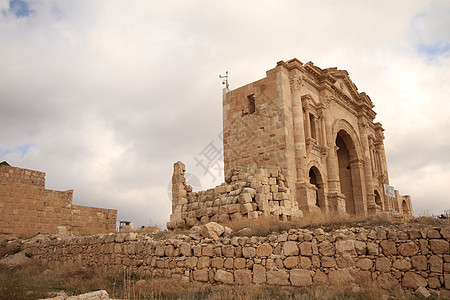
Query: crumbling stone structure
point(27, 208)
point(315, 125)
point(248, 192)
point(417, 260)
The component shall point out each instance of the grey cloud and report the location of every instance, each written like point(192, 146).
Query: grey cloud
point(112, 94)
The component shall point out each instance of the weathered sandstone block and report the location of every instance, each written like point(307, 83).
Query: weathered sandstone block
point(277, 277)
point(413, 280)
point(224, 276)
point(300, 277)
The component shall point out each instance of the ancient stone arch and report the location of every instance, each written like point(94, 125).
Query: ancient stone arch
point(318, 187)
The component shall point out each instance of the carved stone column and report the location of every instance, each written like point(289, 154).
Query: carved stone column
point(308, 122)
point(362, 124)
point(335, 198)
point(299, 132)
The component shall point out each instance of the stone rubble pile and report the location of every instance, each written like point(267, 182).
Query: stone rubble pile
point(248, 192)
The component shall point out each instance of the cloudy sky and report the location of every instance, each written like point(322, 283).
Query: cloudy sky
point(104, 96)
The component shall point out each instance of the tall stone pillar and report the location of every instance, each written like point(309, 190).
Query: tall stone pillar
point(299, 132)
point(179, 193)
point(335, 198)
point(371, 206)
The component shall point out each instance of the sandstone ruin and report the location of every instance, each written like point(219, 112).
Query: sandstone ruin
point(317, 129)
point(27, 208)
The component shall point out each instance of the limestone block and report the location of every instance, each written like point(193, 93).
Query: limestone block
point(340, 277)
point(203, 262)
point(228, 263)
point(305, 262)
point(436, 264)
point(434, 282)
point(224, 276)
point(233, 208)
point(290, 262)
point(263, 206)
point(212, 230)
point(422, 292)
point(300, 277)
point(387, 281)
point(328, 262)
point(264, 250)
point(419, 262)
point(245, 198)
point(201, 275)
point(243, 276)
point(372, 248)
point(228, 250)
point(274, 188)
point(306, 248)
point(433, 234)
point(408, 249)
point(383, 264)
point(217, 262)
point(290, 248)
point(320, 278)
point(438, 246)
point(345, 248)
point(388, 247)
point(277, 277)
point(248, 252)
point(364, 264)
point(361, 247)
point(402, 264)
point(246, 208)
point(424, 246)
point(239, 263)
point(208, 250)
point(413, 281)
point(326, 248)
point(191, 262)
point(259, 274)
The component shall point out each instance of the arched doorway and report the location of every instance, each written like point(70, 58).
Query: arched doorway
point(405, 208)
point(345, 147)
point(316, 180)
point(378, 199)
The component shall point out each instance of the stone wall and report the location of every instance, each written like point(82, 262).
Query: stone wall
point(27, 208)
point(248, 192)
point(389, 258)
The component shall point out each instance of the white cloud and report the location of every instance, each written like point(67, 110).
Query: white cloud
point(111, 94)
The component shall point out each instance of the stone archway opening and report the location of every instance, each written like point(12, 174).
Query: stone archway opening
point(346, 153)
point(378, 200)
point(405, 208)
point(315, 178)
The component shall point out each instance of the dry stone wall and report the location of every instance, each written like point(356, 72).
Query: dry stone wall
point(249, 192)
point(409, 259)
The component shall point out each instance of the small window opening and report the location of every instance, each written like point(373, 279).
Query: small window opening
point(251, 104)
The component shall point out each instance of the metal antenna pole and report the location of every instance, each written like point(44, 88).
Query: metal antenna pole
point(226, 79)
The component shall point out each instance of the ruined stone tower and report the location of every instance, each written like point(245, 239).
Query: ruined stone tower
point(315, 125)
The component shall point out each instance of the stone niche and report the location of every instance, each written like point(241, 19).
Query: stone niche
point(248, 192)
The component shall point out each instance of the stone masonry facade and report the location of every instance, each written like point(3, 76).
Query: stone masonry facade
point(249, 192)
point(315, 125)
point(387, 257)
point(27, 208)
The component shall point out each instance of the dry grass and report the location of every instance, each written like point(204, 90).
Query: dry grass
point(268, 225)
point(32, 281)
